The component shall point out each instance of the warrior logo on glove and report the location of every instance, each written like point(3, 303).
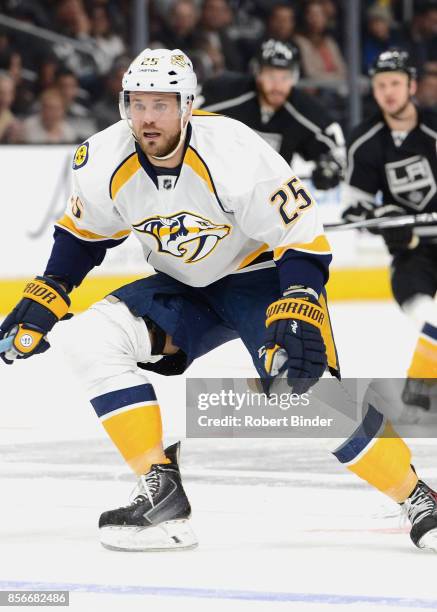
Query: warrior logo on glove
point(43, 304)
point(294, 345)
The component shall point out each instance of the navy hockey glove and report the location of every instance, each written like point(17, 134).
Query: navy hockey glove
point(293, 342)
point(397, 239)
point(327, 173)
point(43, 304)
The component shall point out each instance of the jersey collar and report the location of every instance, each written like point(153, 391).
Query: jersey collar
point(149, 168)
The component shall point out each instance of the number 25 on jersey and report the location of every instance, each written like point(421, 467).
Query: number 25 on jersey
point(292, 199)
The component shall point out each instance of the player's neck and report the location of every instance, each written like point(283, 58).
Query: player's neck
point(404, 121)
point(172, 162)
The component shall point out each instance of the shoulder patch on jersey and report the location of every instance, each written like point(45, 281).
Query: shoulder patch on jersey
point(81, 155)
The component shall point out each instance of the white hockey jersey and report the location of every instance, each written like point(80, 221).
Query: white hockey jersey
point(233, 199)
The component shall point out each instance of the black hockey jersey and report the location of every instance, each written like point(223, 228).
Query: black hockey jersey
point(301, 126)
point(401, 168)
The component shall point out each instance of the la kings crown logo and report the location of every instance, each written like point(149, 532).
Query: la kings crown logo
point(411, 181)
point(174, 234)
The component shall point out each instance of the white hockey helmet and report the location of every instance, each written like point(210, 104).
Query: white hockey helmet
point(160, 70)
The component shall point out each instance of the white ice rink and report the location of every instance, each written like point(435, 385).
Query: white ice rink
point(282, 526)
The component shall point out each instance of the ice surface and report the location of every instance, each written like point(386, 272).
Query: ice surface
point(281, 525)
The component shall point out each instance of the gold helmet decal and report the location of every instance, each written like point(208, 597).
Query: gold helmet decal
point(178, 60)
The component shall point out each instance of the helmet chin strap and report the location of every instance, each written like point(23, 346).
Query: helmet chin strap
point(180, 143)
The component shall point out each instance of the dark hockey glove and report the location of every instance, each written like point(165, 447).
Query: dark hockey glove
point(360, 211)
point(293, 342)
point(43, 304)
point(169, 365)
point(327, 173)
point(397, 239)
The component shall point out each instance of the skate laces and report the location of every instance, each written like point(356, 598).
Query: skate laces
point(147, 486)
point(421, 503)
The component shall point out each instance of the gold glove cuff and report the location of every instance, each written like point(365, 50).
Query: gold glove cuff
point(294, 308)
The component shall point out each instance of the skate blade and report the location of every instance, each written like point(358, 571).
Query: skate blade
point(171, 535)
point(429, 540)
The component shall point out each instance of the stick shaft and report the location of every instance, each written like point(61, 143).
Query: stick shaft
point(6, 344)
point(420, 220)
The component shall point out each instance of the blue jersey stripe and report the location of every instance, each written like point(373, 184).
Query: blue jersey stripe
point(430, 331)
point(361, 437)
point(108, 402)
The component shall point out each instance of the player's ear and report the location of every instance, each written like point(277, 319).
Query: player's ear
point(188, 111)
point(413, 87)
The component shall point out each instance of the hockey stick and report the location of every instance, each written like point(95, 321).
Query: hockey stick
point(415, 221)
point(6, 344)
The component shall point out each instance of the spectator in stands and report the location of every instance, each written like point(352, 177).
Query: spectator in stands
point(180, 29)
point(380, 35)
point(321, 57)
point(9, 124)
point(426, 95)
point(421, 34)
point(216, 17)
point(7, 52)
point(281, 23)
point(49, 126)
point(333, 14)
point(108, 43)
point(47, 71)
point(106, 110)
point(76, 113)
point(73, 21)
point(71, 18)
point(24, 90)
point(31, 48)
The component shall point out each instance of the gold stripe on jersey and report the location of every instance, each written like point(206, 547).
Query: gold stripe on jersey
point(252, 256)
point(123, 173)
point(68, 224)
point(202, 113)
point(195, 162)
point(319, 246)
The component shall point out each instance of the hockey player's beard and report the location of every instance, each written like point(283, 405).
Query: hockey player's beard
point(153, 148)
point(272, 99)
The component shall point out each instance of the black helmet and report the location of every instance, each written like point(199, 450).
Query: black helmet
point(278, 54)
point(393, 60)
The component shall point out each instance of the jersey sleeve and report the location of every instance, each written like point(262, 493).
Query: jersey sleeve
point(280, 211)
point(324, 135)
point(92, 217)
point(89, 226)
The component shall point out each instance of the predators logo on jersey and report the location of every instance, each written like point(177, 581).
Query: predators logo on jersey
point(174, 233)
point(81, 156)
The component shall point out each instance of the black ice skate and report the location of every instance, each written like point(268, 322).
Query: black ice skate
point(421, 509)
point(157, 519)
